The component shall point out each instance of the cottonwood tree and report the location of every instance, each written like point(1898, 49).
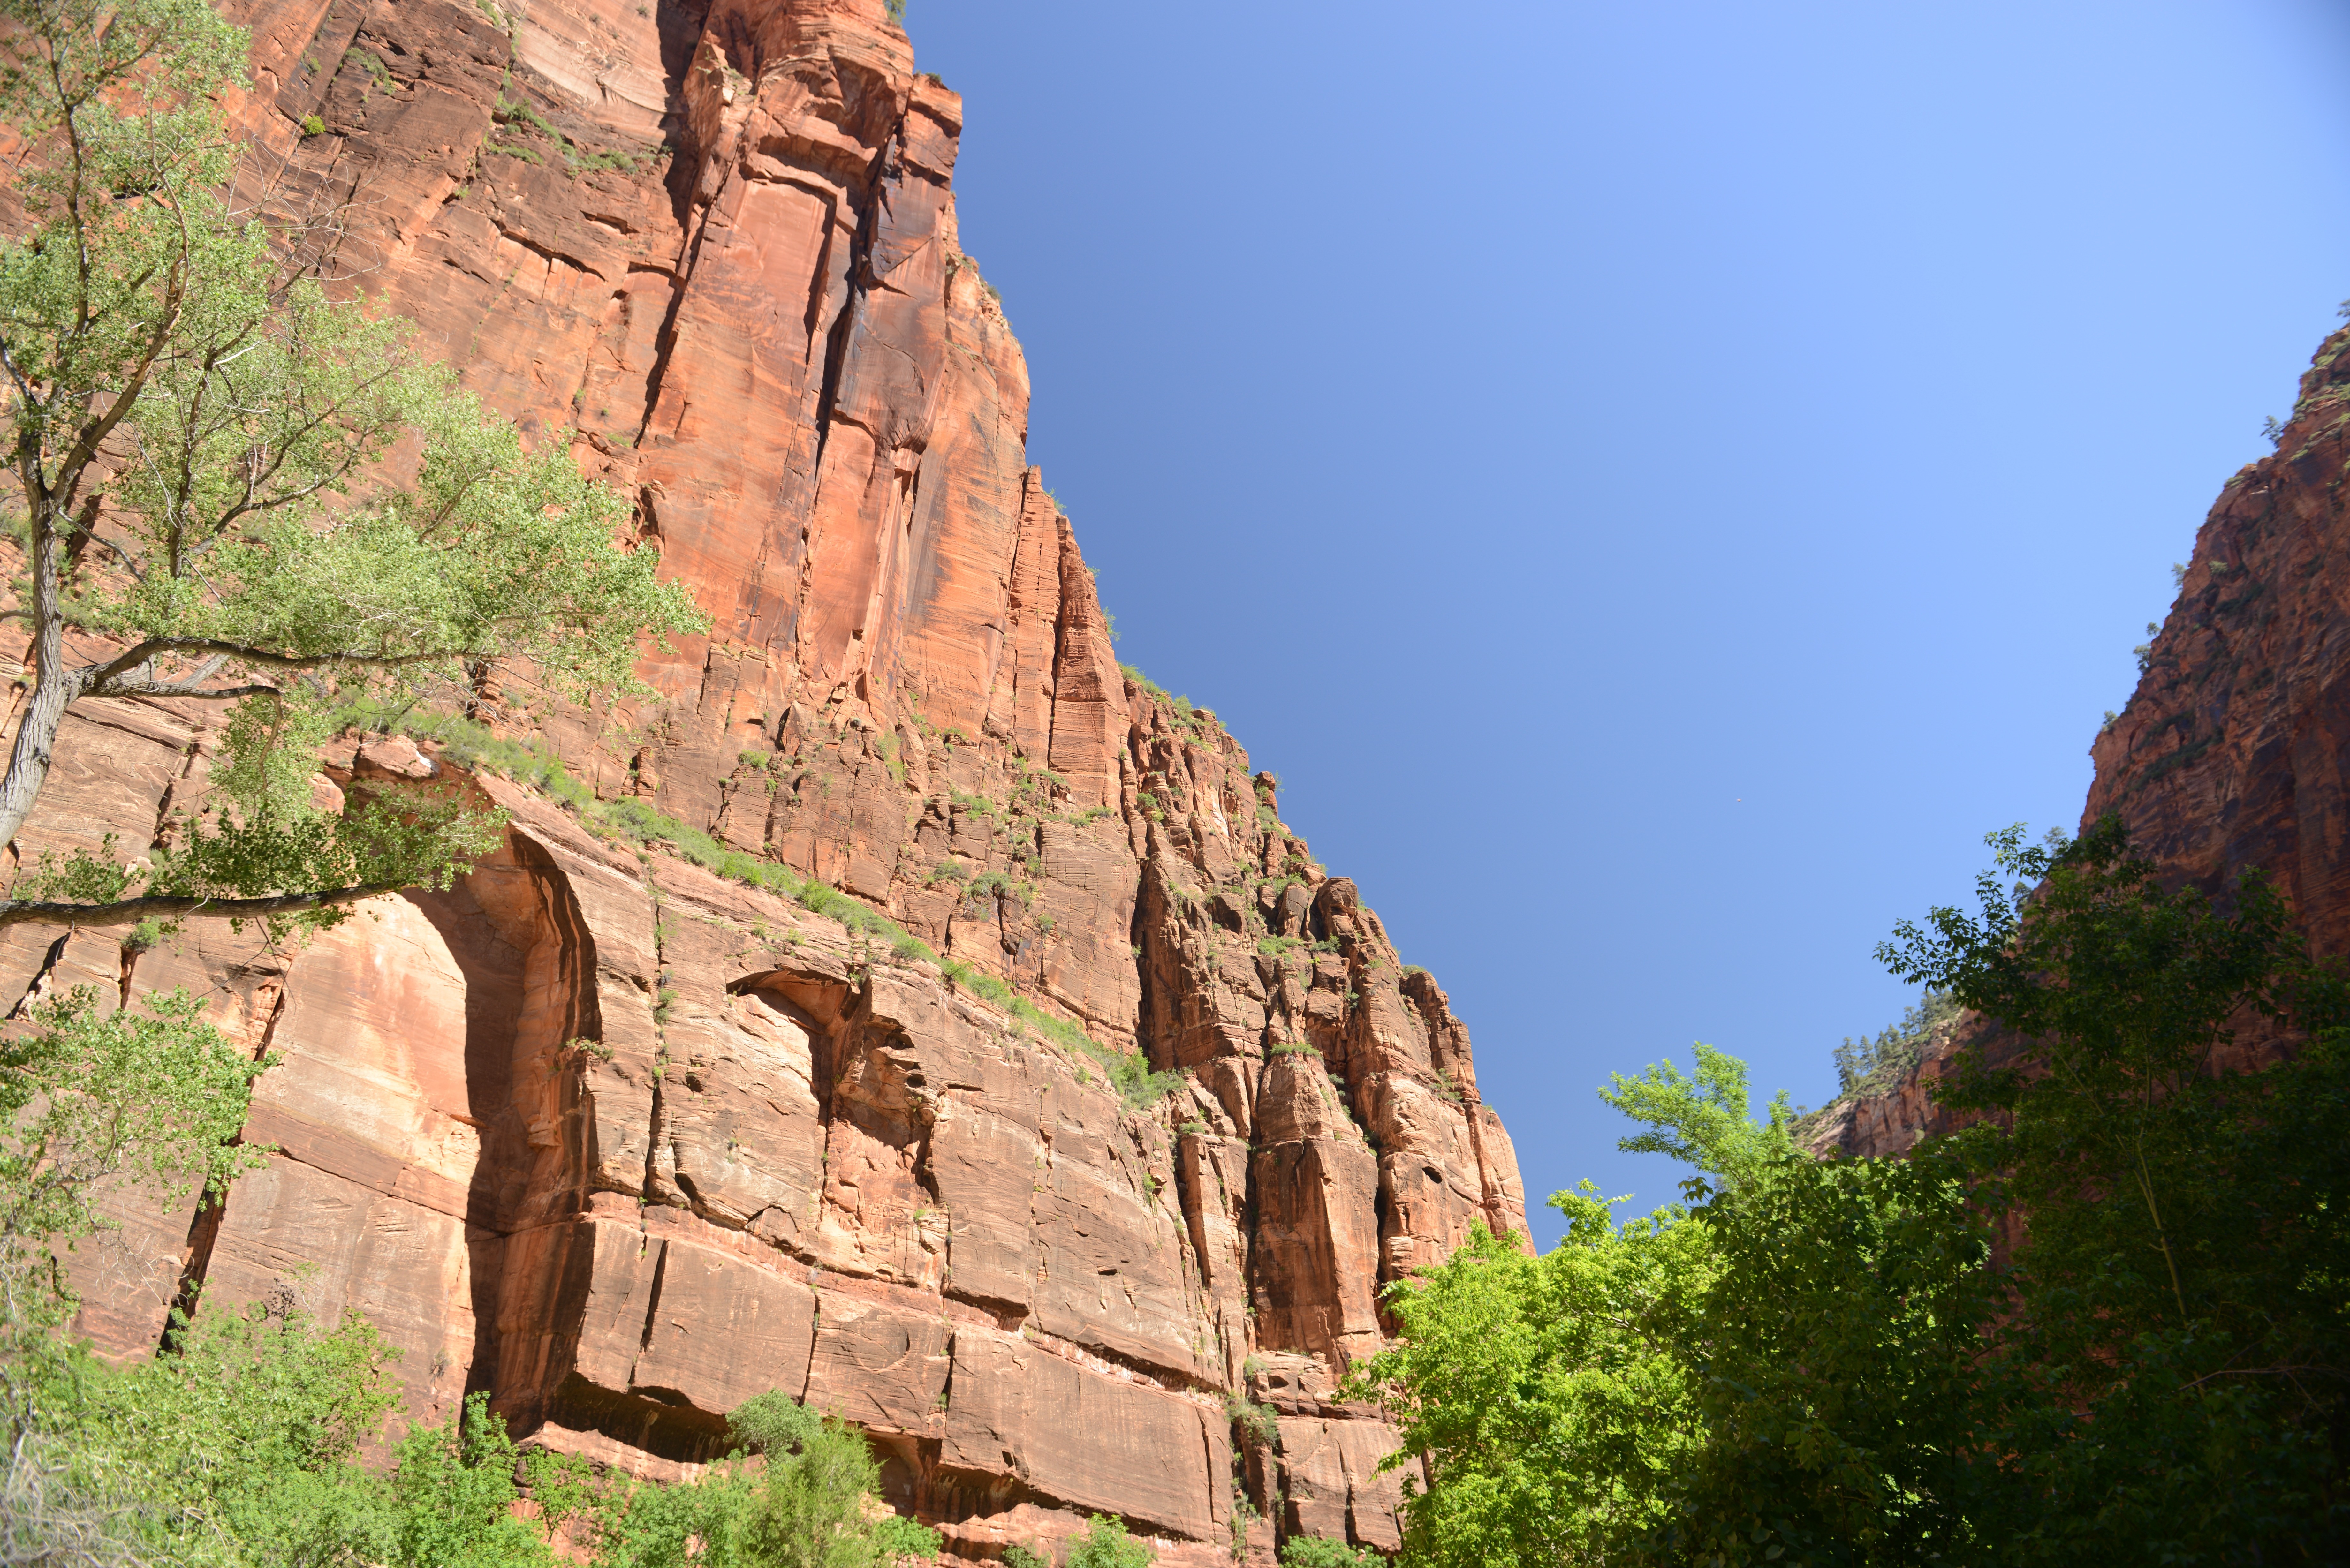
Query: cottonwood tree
point(232, 487)
point(200, 435)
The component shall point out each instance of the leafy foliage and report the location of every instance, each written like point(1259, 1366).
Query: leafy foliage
point(1701, 1119)
point(1319, 1551)
point(803, 1510)
point(2176, 1361)
point(1545, 1391)
point(241, 1446)
point(203, 434)
point(1833, 1350)
point(2157, 1375)
point(150, 1101)
point(1106, 1544)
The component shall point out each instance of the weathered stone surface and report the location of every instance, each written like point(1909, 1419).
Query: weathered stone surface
point(1106, 1444)
point(880, 1365)
point(623, 1142)
point(1332, 1483)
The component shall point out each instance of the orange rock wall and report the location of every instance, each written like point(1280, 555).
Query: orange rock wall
point(623, 1143)
point(2233, 750)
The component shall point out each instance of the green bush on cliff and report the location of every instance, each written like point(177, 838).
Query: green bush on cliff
point(803, 1508)
point(1106, 1544)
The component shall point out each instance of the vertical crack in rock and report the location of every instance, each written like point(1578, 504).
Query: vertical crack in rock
point(861, 281)
point(653, 1130)
point(211, 1208)
point(653, 1300)
point(38, 987)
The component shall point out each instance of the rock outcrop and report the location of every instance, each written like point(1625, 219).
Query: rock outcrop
point(624, 1142)
point(2233, 750)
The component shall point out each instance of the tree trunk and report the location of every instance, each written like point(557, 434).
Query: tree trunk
point(53, 686)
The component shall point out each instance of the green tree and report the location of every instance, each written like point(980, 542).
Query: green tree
point(2173, 1375)
point(151, 1101)
point(241, 1445)
point(1835, 1351)
point(147, 1105)
point(1548, 1395)
point(806, 1506)
point(1783, 1371)
point(202, 439)
point(1702, 1119)
point(453, 1490)
point(1318, 1551)
point(1106, 1544)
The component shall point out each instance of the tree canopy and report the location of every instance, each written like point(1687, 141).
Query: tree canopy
point(241, 482)
point(1829, 1361)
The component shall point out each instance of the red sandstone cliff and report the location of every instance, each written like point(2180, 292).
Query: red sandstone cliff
point(625, 1143)
point(2233, 750)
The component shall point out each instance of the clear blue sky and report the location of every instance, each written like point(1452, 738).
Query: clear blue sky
point(1659, 481)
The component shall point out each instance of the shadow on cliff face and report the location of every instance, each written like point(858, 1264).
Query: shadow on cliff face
point(518, 940)
point(493, 969)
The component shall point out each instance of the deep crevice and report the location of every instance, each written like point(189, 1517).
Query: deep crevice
point(861, 258)
point(652, 1302)
point(38, 987)
point(211, 1209)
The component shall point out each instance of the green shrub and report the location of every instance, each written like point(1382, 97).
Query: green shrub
point(1321, 1552)
point(1260, 1421)
point(895, 1538)
point(452, 1492)
point(313, 126)
point(1106, 1544)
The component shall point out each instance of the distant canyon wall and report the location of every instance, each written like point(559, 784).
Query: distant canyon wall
point(2233, 750)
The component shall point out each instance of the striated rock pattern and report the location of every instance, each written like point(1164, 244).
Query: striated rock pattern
point(2234, 749)
point(625, 1143)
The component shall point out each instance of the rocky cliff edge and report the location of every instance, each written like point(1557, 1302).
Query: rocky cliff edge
point(623, 1141)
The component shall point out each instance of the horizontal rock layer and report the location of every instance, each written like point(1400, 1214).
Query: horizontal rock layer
point(624, 1143)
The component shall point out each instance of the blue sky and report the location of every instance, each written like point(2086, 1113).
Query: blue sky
point(1658, 481)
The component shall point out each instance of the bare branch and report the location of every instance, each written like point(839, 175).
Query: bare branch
point(31, 912)
point(107, 679)
point(181, 688)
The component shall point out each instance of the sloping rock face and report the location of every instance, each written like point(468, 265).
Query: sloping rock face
point(2233, 750)
point(624, 1143)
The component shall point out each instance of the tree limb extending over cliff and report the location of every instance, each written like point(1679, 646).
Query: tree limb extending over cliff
point(239, 488)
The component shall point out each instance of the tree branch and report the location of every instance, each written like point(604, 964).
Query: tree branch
point(32, 912)
point(110, 673)
point(181, 688)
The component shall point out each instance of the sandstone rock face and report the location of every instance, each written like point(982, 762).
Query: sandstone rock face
point(625, 1143)
point(2234, 749)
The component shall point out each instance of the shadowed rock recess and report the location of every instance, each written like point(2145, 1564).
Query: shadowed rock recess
point(2234, 749)
point(624, 1142)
